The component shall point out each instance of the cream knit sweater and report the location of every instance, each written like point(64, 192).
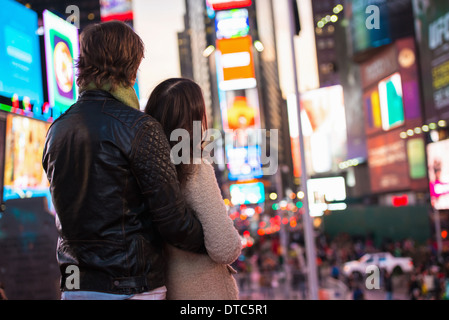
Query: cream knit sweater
point(193, 276)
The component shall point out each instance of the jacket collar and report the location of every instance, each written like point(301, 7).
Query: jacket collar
point(95, 94)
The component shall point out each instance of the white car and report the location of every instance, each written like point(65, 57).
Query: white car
point(383, 260)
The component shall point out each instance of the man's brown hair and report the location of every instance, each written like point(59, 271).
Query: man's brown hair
point(110, 53)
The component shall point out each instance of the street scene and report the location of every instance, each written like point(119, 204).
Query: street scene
point(244, 150)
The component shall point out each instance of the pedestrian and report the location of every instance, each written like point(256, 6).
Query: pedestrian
point(414, 288)
point(178, 104)
point(388, 284)
point(357, 293)
point(116, 192)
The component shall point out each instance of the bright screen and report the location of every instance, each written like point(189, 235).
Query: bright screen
point(248, 193)
point(324, 126)
point(116, 10)
point(391, 102)
point(326, 194)
point(232, 23)
point(229, 4)
point(61, 50)
point(20, 59)
point(438, 163)
point(24, 175)
point(244, 163)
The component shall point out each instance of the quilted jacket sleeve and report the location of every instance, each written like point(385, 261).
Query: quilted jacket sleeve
point(203, 194)
point(156, 174)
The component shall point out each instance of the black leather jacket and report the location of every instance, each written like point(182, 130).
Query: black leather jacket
point(116, 195)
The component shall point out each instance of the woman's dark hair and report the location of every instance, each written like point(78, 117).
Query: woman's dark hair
point(110, 53)
point(177, 103)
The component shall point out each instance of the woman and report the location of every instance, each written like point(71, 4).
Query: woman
point(177, 104)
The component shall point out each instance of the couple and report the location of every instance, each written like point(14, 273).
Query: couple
point(132, 223)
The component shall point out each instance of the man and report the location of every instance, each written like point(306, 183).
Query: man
point(114, 188)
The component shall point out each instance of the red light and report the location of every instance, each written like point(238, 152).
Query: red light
point(261, 232)
point(401, 201)
point(231, 4)
point(246, 234)
point(444, 234)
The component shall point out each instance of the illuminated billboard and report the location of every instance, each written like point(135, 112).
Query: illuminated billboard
point(20, 59)
point(244, 163)
point(241, 121)
point(326, 194)
point(116, 10)
point(229, 4)
point(247, 193)
point(24, 176)
point(375, 23)
point(391, 102)
point(388, 162)
point(324, 126)
point(384, 105)
point(232, 23)
point(235, 64)
point(61, 50)
point(391, 94)
point(438, 164)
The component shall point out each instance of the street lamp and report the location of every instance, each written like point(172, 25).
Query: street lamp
point(308, 225)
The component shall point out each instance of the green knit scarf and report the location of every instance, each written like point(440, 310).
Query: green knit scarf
point(126, 95)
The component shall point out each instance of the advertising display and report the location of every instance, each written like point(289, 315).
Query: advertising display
point(24, 176)
point(324, 128)
point(391, 94)
point(228, 4)
point(391, 102)
point(375, 23)
point(364, 38)
point(116, 10)
point(432, 33)
point(438, 165)
point(384, 105)
point(326, 194)
point(62, 50)
point(235, 64)
point(388, 162)
point(241, 121)
point(244, 162)
point(248, 193)
point(232, 24)
point(416, 154)
point(20, 59)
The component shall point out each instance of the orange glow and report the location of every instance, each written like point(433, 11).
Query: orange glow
point(241, 115)
point(237, 46)
point(293, 223)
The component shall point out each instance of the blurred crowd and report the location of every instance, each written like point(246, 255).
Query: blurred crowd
point(266, 268)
